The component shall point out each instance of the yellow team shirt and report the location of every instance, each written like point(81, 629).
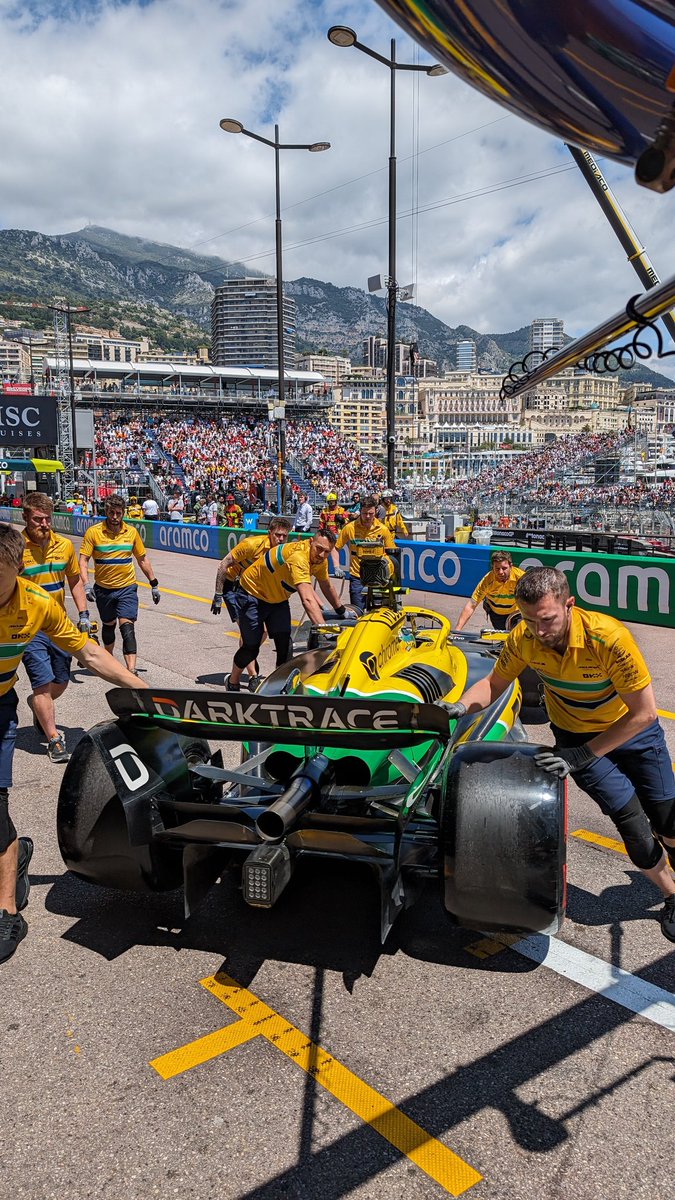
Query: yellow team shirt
point(113, 554)
point(582, 686)
point(246, 552)
point(276, 574)
point(29, 610)
point(500, 597)
point(394, 522)
point(378, 532)
point(135, 512)
point(49, 566)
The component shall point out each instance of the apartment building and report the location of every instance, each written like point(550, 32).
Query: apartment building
point(244, 325)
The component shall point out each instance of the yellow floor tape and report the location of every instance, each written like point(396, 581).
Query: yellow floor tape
point(257, 1019)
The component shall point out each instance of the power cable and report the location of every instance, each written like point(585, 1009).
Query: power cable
point(347, 183)
point(446, 203)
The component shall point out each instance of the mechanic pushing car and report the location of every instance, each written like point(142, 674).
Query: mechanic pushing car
point(114, 545)
point(48, 560)
point(265, 587)
point(26, 611)
point(366, 528)
point(602, 710)
point(241, 556)
point(497, 591)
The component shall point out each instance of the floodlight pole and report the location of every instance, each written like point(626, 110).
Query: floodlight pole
point(230, 125)
point(391, 281)
point(342, 35)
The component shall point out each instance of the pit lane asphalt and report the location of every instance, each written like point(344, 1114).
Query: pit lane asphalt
point(540, 1084)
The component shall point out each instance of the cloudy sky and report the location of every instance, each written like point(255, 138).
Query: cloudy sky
point(109, 115)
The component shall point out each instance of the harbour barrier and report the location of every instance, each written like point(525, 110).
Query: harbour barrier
point(630, 588)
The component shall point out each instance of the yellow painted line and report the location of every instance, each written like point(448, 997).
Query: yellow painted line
point(663, 712)
point(599, 839)
point(176, 1062)
point(173, 616)
point(257, 1019)
point(187, 596)
point(169, 592)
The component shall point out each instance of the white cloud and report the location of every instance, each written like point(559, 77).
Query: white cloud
point(109, 113)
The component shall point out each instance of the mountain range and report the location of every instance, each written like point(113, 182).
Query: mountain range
point(165, 292)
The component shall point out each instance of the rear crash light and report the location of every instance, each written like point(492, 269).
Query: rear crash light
point(265, 874)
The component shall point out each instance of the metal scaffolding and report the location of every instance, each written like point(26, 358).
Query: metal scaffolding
point(63, 382)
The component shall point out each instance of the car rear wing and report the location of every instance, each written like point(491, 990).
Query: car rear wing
point(301, 720)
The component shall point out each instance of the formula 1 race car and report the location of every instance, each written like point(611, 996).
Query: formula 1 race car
point(346, 752)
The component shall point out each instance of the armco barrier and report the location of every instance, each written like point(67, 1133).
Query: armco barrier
point(630, 588)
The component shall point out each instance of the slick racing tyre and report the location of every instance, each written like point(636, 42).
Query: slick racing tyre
point(503, 839)
point(95, 814)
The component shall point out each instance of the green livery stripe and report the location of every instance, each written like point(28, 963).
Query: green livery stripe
point(12, 649)
point(564, 686)
point(111, 549)
point(44, 569)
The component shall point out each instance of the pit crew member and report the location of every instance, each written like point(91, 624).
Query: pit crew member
point(496, 590)
point(48, 560)
point(367, 528)
point(114, 545)
point(241, 556)
point(602, 710)
point(26, 611)
point(392, 516)
point(263, 600)
point(134, 509)
point(333, 518)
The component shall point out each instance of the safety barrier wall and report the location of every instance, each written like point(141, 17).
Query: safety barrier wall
point(630, 588)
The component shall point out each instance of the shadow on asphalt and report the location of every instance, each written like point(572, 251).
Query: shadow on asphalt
point(329, 918)
point(31, 742)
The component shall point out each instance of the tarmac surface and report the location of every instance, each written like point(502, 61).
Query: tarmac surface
point(443, 1062)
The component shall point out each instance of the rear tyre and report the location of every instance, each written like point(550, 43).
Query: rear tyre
point(503, 840)
point(93, 834)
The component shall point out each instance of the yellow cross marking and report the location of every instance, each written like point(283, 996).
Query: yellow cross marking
point(257, 1019)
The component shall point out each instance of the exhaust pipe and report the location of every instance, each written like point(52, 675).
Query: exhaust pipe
point(303, 790)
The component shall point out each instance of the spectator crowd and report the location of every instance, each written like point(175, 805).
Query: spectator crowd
point(214, 461)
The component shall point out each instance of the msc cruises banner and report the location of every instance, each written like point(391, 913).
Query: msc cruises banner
point(632, 589)
point(27, 420)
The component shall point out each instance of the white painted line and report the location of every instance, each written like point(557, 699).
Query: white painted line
point(651, 1002)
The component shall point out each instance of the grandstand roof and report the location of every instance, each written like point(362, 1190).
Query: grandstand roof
point(167, 370)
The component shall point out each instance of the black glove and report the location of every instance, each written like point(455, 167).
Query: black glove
point(565, 760)
point(90, 593)
point(217, 604)
point(155, 592)
point(341, 611)
point(456, 710)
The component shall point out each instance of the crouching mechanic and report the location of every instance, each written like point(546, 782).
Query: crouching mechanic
point(497, 591)
point(265, 588)
point(114, 545)
point(241, 556)
point(48, 560)
point(601, 705)
point(365, 528)
point(26, 611)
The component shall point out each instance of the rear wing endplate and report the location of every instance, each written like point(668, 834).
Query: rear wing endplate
point(301, 720)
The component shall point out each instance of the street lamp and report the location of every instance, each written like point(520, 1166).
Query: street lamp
point(231, 125)
point(342, 35)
